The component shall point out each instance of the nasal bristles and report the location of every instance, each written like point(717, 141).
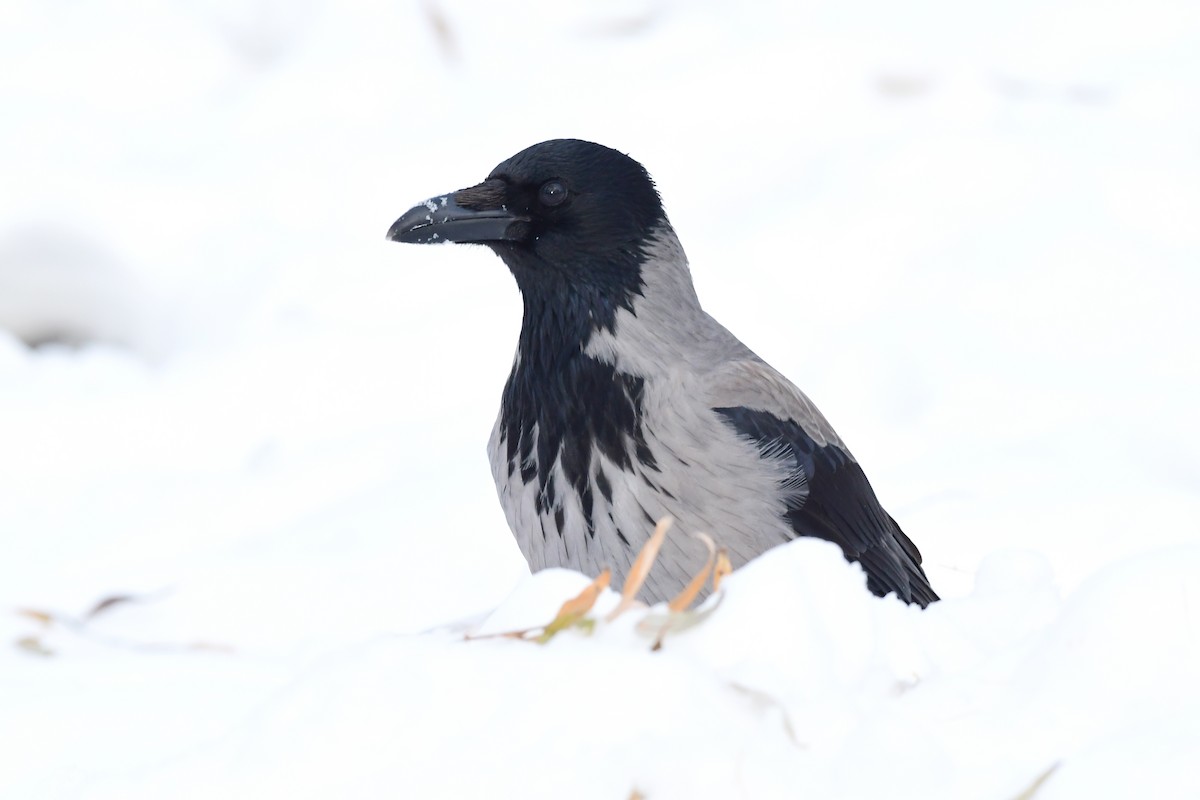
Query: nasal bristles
point(487, 195)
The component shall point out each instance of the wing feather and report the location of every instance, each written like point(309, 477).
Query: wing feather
point(837, 502)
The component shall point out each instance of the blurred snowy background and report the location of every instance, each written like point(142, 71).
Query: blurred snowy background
point(968, 231)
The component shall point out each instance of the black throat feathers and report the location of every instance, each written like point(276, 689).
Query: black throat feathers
point(562, 405)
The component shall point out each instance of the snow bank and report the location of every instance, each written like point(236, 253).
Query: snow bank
point(798, 682)
point(972, 243)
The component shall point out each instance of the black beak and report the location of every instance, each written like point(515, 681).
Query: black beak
point(443, 219)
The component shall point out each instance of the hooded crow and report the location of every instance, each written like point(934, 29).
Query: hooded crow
point(627, 402)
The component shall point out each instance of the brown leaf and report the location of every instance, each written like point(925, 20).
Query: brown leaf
point(443, 31)
point(1033, 788)
point(44, 617)
point(723, 568)
point(641, 567)
point(685, 598)
point(573, 610)
point(109, 602)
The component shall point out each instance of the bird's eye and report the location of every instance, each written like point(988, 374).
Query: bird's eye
point(552, 193)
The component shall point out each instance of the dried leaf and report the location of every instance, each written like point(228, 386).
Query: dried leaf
point(32, 644)
point(685, 598)
point(443, 32)
point(573, 610)
point(44, 617)
point(723, 568)
point(659, 625)
point(1032, 789)
point(109, 602)
point(80, 626)
point(582, 603)
point(641, 567)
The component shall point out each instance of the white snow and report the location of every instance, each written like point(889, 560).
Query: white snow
point(971, 239)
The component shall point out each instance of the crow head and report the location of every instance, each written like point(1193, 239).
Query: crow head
point(566, 216)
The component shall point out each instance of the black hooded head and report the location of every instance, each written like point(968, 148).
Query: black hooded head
point(570, 218)
point(590, 211)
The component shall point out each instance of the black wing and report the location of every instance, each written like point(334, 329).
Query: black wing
point(832, 500)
